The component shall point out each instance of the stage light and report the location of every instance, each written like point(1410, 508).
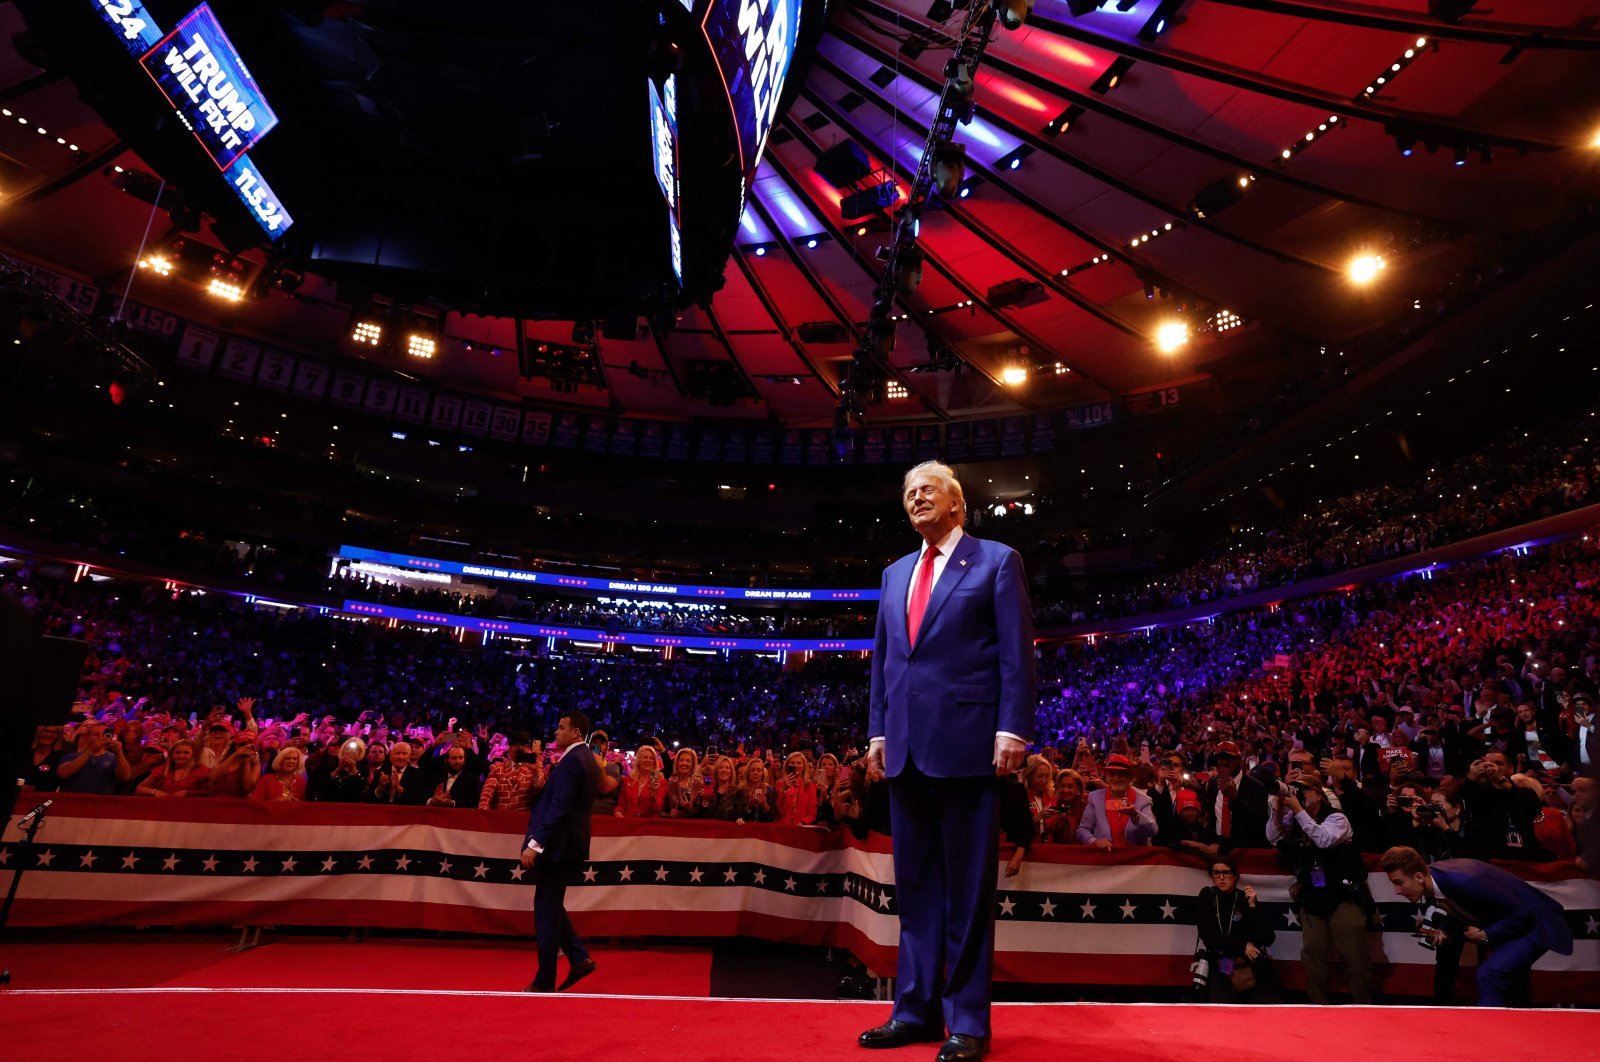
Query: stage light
point(1061, 370)
point(1461, 156)
point(1171, 335)
point(420, 345)
point(1160, 20)
point(895, 390)
point(1594, 141)
point(1113, 75)
point(1014, 164)
point(966, 190)
point(861, 230)
point(1014, 375)
point(949, 168)
point(158, 264)
point(369, 332)
point(761, 252)
point(225, 290)
point(1364, 268)
point(811, 243)
point(1013, 13)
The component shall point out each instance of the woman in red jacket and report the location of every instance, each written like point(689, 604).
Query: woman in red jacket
point(797, 793)
point(644, 794)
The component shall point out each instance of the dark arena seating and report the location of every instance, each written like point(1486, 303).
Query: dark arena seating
point(352, 490)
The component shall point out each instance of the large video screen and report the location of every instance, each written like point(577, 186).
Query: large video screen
point(754, 42)
point(202, 75)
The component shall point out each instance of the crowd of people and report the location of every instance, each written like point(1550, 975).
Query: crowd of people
point(1515, 478)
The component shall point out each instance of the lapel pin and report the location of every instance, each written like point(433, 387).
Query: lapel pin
point(963, 564)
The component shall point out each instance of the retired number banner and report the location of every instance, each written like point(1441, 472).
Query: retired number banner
point(1071, 916)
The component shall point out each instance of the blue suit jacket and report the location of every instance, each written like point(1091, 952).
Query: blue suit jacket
point(1505, 906)
point(1096, 825)
point(971, 673)
point(559, 819)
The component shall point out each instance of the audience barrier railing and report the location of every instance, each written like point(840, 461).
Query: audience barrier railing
point(1071, 916)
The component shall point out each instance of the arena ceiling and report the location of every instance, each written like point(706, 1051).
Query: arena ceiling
point(1265, 116)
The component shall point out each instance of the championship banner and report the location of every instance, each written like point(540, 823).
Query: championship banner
point(1072, 915)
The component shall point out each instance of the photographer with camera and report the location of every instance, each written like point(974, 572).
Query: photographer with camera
point(516, 779)
point(1465, 901)
point(1235, 936)
point(1500, 813)
point(1330, 889)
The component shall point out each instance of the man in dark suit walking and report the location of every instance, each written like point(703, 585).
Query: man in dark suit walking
point(951, 711)
point(1484, 905)
point(555, 849)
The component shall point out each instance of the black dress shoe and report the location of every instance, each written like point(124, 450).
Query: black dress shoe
point(963, 1049)
point(898, 1034)
point(534, 987)
point(577, 973)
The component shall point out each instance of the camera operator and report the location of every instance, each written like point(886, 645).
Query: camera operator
point(1501, 814)
point(1468, 901)
point(1330, 888)
point(1235, 936)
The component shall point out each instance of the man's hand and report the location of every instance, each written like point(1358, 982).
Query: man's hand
point(1009, 752)
point(876, 768)
point(1292, 802)
point(1438, 936)
point(1014, 864)
point(1102, 844)
point(1476, 935)
point(1249, 897)
point(528, 856)
point(246, 706)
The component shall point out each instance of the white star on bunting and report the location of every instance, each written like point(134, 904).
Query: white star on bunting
point(589, 874)
point(87, 859)
point(130, 861)
point(1592, 926)
point(625, 874)
point(445, 865)
point(883, 900)
point(822, 884)
point(327, 865)
point(661, 873)
point(1087, 908)
point(210, 864)
point(481, 871)
point(1048, 908)
point(5, 856)
point(789, 883)
point(1167, 910)
point(403, 863)
point(1292, 918)
point(289, 865)
point(730, 875)
point(45, 857)
point(1128, 910)
point(516, 872)
point(761, 877)
point(1007, 906)
point(365, 862)
point(695, 875)
point(171, 862)
point(250, 865)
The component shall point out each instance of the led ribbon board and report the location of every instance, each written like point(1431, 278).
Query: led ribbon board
point(753, 42)
point(203, 77)
point(600, 582)
point(138, 31)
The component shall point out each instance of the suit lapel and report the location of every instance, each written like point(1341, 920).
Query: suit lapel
point(955, 569)
point(898, 590)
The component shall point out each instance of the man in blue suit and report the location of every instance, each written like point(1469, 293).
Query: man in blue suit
point(1488, 906)
point(951, 712)
point(555, 849)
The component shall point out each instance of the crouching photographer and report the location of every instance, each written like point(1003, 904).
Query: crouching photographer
point(1330, 885)
point(1464, 901)
point(1234, 937)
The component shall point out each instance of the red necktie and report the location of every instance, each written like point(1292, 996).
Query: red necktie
point(1225, 827)
point(920, 593)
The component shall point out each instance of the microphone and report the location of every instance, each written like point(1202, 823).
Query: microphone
point(27, 820)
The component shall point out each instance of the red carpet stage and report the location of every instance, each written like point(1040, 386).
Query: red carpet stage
point(395, 1025)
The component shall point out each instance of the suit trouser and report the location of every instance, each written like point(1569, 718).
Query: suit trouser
point(1346, 929)
point(554, 930)
point(1503, 975)
point(946, 855)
